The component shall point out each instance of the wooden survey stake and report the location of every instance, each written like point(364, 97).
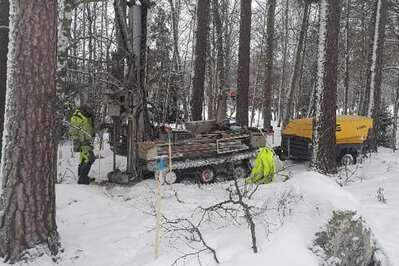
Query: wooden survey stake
point(158, 208)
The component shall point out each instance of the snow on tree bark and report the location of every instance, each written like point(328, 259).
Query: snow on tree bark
point(222, 98)
point(395, 117)
point(284, 66)
point(243, 63)
point(64, 39)
point(374, 76)
point(200, 59)
point(4, 7)
point(324, 124)
point(347, 61)
point(291, 93)
point(268, 93)
point(29, 148)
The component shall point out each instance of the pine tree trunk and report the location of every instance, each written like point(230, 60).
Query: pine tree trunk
point(29, 163)
point(374, 76)
point(324, 124)
point(268, 86)
point(243, 63)
point(120, 53)
point(200, 59)
point(4, 14)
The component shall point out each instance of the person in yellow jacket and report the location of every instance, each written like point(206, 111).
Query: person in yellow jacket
point(82, 133)
point(264, 170)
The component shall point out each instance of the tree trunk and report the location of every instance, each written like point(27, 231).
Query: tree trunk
point(177, 75)
point(347, 61)
point(243, 63)
point(29, 163)
point(200, 59)
point(4, 14)
point(282, 80)
point(211, 89)
point(290, 100)
point(145, 4)
point(221, 70)
point(374, 76)
point(268, 93)
point(395, 117)
point(64, 39)
point(364, 54)
point(324, 124)
point(120, 52)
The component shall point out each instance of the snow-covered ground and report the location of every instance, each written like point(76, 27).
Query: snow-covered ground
point(114, 225)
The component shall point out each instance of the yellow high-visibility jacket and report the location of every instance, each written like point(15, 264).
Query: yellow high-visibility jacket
point(82, 128)
point(264, 169)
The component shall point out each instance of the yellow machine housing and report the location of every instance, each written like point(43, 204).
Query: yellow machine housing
point(351, 134)
point(350, 128)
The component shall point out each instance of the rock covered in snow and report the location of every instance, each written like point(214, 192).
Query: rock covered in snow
point(345, 241)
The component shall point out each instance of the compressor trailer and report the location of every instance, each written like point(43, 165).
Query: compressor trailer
point(352, 135)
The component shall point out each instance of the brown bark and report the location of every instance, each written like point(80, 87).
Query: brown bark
point(243, 63)
point(120, 39)
point(324, 123)
point(268, 86)
point(200, 59)
point(4, 7)
point(29, 163)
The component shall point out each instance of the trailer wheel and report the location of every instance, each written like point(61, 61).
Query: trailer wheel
point(170, 177)
point(283, 157)
point(348, 158)
point(222, 177)
point(206, 175)
point(241, 170)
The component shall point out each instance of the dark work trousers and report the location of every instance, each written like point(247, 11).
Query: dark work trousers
point(84, 167)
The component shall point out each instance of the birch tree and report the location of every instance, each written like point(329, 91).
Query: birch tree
point(323, 157)
point(29, 148)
